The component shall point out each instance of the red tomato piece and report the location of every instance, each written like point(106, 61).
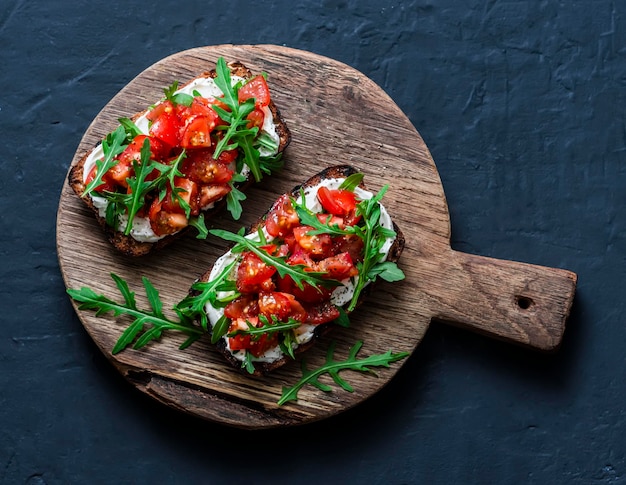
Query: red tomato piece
point(189, 194)
point(351, 244)
point(256, 118)
point(297, 310)
point(282, 218)
point(323, 312)
point(338, 202)
point(120, 172)
point(209, 194)
point(159, 109)
point(201, 167)
point(331, 220)
point(308, 293)
point(243, 307)
point(256, 346)
point(167, 128)
point(162, 222)
point(317, 245)
point(274, 303)
point(255, 88)
point(252, 273)
point(338, 267)
point(197, 132)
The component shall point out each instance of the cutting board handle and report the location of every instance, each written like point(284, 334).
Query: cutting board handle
point(517, 302)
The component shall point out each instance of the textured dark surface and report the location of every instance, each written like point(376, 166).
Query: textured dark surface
point(522, 106)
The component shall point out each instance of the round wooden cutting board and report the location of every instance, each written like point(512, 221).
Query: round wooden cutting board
point(336, 116)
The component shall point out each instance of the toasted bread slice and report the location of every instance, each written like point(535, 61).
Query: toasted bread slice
point(126, 243)
point(394, 252)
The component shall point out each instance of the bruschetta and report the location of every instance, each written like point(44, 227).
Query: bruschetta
point(166, 168)
point(304, 265)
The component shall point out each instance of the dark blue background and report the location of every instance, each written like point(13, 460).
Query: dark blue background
point(522, 106)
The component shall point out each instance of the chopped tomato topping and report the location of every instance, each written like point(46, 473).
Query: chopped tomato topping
point(282, 218)
point(316, 245)
point(243, 307)
point(252, 274)
point(274, 303)
point(163, 222)
point(256, 118)
point(267, 295)
point(322, 312)
point(255, 88)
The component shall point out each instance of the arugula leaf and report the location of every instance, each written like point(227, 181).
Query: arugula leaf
point(199, 224)
point(386, 270)
point(332, 367)
point(247, 363)
point(130, 128)
point(177, 98)
point(352, 181)
point(267, 328)
point(219, 329)
point(192, 306)
point(237, 134)
point(235, 196)
point(152, 322)
point(138, 185)
point(112, 146)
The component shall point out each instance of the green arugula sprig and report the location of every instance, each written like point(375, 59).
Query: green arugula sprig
point(236, 133)
point(298, 272)
point(203, 292)
point(177, 98)
point(369, 229)
point(333, 367)
point(152, 323)
point(112, 145)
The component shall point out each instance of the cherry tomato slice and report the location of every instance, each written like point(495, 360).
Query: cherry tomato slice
point(255, 88)
point(167, 128)
point(274, 303)
point(338, 202)
point(188, 193)
point(197, 132)
point(282, 218)
point(202, 168)
point(209, 194)
point(243, 307)
point(256, 118)
point(338, 267)
point(317, 245)
point(163, 222)
point(252, 273)
point(323, 312)
point(256, 346)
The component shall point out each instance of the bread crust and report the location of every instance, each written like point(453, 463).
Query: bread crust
point(262, 368)
point(127, 244)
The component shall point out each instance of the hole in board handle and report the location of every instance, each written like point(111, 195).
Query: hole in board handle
point(524, 302)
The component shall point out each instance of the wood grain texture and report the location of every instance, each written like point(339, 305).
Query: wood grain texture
point(325, 104)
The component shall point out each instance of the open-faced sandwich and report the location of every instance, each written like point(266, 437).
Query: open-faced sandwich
point(163, 170)
point(304, 265)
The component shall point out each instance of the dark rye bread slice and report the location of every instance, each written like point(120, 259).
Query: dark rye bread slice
point(127, 244)
point(395, 251)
